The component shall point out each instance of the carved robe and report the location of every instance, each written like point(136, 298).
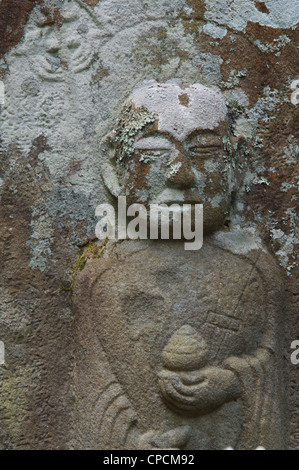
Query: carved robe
point(130, 303)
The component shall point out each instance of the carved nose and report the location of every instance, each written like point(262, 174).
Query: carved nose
point(180, 173)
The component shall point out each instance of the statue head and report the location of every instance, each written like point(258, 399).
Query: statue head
point(172, 145)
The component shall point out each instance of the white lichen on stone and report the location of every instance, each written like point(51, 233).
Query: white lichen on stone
point(274, 46)
point(239, 240)
point(217, 32)
point(234, 79)
point(130, 123)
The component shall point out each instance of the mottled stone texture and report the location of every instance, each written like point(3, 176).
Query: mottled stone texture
point(141, 310)
point(13, 16)
point(68, 68)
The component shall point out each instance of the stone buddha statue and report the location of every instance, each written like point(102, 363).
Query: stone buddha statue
point(178, 349)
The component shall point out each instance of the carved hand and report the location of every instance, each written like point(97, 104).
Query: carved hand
point(199, 392)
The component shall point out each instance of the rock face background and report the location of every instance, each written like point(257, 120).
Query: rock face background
point(67, 68)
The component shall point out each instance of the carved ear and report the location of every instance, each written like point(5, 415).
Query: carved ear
point(108, 166)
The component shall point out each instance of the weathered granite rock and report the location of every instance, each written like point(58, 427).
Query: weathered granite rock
point(66, 70)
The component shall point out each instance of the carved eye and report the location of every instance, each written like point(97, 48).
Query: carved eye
point(204, 152)
point(151, 153)
point(193, 151)
point(157, 146)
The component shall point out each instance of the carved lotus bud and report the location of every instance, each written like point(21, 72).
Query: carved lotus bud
point(186, 350)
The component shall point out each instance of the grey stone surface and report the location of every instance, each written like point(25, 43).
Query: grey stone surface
point(66, 70)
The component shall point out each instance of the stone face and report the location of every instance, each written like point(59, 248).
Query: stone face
point(67, 68)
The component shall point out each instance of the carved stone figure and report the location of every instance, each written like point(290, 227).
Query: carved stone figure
point(178, 350)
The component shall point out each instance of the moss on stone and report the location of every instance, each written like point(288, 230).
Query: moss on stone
point(90, 250)
point(235, 107)
point(234, 79)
